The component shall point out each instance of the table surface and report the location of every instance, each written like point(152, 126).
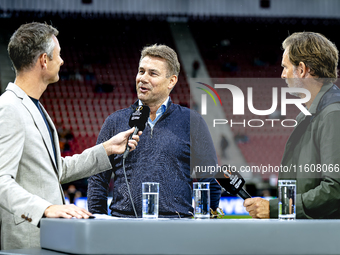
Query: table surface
point(187, 236)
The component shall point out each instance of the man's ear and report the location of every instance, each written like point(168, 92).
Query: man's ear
point(43, 61)
point(303, 70)
point(173, 81)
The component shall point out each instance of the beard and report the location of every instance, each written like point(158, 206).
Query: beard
point(295, 82)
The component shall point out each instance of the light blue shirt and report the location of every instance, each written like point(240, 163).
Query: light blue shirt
point(161, 110)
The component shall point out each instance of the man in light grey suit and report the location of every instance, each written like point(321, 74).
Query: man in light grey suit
point(31, 167)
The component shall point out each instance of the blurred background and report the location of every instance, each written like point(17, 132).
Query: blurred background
point(101, 41)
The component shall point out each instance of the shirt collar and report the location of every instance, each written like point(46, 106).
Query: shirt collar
point(35, 101)
point(318, 97)
point(162, 108)
point(316, 101)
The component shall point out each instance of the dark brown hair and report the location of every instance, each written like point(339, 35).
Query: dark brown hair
point(315, 51)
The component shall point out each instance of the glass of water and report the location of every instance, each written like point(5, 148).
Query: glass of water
point(201, 200)
point(150, 191)
point(287, 198)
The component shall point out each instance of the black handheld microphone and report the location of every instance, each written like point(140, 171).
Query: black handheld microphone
point(233, 183)
point(138, 120)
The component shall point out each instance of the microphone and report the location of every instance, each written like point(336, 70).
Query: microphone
point(138, 120)
point(233, 184)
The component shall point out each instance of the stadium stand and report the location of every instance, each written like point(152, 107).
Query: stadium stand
point(98, 76)
point(101, 54)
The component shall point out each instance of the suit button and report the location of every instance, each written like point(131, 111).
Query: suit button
point(23, 216)
point(29, 219)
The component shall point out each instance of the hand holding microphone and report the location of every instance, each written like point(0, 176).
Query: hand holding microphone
point(137, 120)
point(126, 141)
point(233, 183)
point(257, 207)
point(117, 144)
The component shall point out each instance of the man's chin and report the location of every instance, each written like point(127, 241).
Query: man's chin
point(141, 96)
point(295, 94)
point(54, 80)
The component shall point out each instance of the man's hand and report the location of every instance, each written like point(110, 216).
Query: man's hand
point(117, 144)
point(66, 211)
point(257, 207)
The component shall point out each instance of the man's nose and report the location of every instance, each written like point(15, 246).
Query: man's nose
point(283, 74)
point(143, 77)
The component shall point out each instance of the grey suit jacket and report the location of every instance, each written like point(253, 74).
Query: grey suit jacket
point(29, 176)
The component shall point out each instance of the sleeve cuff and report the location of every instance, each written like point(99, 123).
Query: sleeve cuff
point(102, 157)
point(273, 208)
point(299, 208)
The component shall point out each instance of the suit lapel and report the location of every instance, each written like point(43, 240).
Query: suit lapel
point(40, 124)
point(57, 149)
point(55, 138)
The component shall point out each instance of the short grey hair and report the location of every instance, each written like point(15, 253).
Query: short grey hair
point(29, 42)
point(166, 53)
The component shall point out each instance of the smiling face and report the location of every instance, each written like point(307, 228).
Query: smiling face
point(152, 84)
